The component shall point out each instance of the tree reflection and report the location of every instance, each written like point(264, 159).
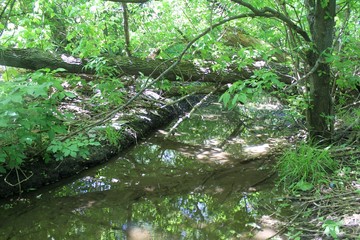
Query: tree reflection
point(175, 188)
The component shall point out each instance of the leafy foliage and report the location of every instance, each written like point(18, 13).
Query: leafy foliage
point(76, 147)
point(89, 29)
point(332, 228)
point(28, 115)
point(251, 89)
point(30, 119)
point(33, 123)
point(112, 135)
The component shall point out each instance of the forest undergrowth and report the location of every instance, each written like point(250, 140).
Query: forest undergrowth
point(322, 184)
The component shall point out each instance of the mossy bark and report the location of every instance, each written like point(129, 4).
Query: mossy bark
point(36, 59)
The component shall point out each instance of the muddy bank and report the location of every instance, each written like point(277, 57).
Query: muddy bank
point(36, 173)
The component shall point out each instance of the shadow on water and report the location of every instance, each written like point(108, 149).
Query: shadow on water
point(204, 182)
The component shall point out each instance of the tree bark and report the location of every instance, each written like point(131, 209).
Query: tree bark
point(36, 59)
point(321, 21)
point(126, 29)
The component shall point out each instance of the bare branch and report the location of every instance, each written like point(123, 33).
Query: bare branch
point(303, 78)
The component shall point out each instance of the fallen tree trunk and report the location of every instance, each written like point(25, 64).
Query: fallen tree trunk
point(38, 173)
point(36, 59)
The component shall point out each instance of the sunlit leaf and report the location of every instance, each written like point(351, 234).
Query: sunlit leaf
point(225, 98)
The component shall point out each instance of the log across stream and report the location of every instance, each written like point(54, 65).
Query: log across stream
point(211, 179)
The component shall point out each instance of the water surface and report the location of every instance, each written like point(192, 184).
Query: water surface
point(206, 181)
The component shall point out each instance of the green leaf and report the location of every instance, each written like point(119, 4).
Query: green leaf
point(324, 3)
point(59, 70)
point(242, 98)
point(37, 91)
point(74, 148)
point(59, 129)
point(225, 98)
point(66, 152)
point(53, 148)
point(73, 154)
point(304, 186)
point(3, 122)
point(16, 98)
point(61, 95)
point(2, 157)
point(70, 94)
point(2, 169)
point(57, 85)
point(234, 100)
point(51, 134)
point(95, 143)
point(59, 156)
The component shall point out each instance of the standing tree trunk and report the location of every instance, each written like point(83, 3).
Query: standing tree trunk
point(321, 15)
point(126, 29)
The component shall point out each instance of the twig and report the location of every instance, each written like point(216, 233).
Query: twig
point(263, 179)
point(311, 199)
point(179, 99)
point(330, 197)
point(287, 224)
point(18, 178)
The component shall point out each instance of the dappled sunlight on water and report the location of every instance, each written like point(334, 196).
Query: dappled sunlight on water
point(201, 183)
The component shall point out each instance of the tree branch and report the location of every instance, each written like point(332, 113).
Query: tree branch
point(5, 22)
point(108, 116)
point(272, 13)
point(303, 78)
point(35, 59)
point(187, 115)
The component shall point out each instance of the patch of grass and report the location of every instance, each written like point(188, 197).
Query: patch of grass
point(112, 135)
point(304, 167)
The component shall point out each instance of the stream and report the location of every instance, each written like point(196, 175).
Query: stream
point(210, 179)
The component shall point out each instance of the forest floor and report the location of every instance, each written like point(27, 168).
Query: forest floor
point(332, 209)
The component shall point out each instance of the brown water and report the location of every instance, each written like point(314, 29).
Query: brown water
point(204, 182)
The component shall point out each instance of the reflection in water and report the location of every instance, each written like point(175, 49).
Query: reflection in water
point(185, 187)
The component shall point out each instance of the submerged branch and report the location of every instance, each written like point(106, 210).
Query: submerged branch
point(189, 114)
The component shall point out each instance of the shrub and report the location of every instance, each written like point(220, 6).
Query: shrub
point(30, 120)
